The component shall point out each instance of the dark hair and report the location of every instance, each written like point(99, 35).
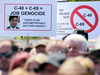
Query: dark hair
point(81, 32)
point(12, 17)
point(29, 47)
point(15, 48)
point(65, 37)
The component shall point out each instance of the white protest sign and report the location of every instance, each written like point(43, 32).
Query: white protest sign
point(34, 17)
point(72, 15)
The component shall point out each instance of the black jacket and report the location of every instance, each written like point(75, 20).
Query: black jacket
point(9, 27)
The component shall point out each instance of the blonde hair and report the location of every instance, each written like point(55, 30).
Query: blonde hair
point(77, 66)
point(39, 58)
point(19, 71)
point(27, 63)
point(71, 67)
point(87, 63)
point(33, 51)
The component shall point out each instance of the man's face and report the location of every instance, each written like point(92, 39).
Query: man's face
point(74, 48)
point(13, 22)
point(49, 70)
point(40, 49)
point(55, 47)
point(20, 46)
point(4, 50)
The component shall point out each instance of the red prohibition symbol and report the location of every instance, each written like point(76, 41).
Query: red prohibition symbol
point(75, 11)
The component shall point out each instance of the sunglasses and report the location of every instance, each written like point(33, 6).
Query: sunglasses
point(6, 54)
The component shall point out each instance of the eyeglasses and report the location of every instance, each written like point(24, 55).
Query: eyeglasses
point(6, 54)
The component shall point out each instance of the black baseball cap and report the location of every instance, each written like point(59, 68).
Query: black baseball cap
point(81, 32)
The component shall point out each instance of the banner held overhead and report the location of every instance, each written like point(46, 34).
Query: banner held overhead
point(28, 18)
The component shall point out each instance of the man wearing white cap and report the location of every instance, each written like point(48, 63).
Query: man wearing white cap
point(75, 43)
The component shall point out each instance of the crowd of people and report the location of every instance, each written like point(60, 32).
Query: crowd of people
point(69, 56)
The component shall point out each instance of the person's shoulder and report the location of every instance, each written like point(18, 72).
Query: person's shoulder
point(8, 27)
point(17, 27)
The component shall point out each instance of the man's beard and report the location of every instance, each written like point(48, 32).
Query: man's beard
point(5, 68)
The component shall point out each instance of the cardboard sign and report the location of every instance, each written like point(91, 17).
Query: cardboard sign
point(28, 18)
point(72, 15)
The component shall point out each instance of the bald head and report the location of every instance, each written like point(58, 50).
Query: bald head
point(6, 54)
point(56, 46)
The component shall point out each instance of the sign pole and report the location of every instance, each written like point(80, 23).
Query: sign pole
point(27, 39)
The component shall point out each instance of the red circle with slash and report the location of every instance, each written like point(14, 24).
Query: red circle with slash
point(75, 11)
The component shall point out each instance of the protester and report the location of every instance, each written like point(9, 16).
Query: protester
point(75, 43)
point(72, 67)
point(34, 61)
point(41, 45)
point(94, 54)
point(20, 46)
point(52, 64)
point(56, 46)
point(29, 47)
point(31, 64)
point(19, 60)
point(6, 54)
point(87, 63)
point(81, 32)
